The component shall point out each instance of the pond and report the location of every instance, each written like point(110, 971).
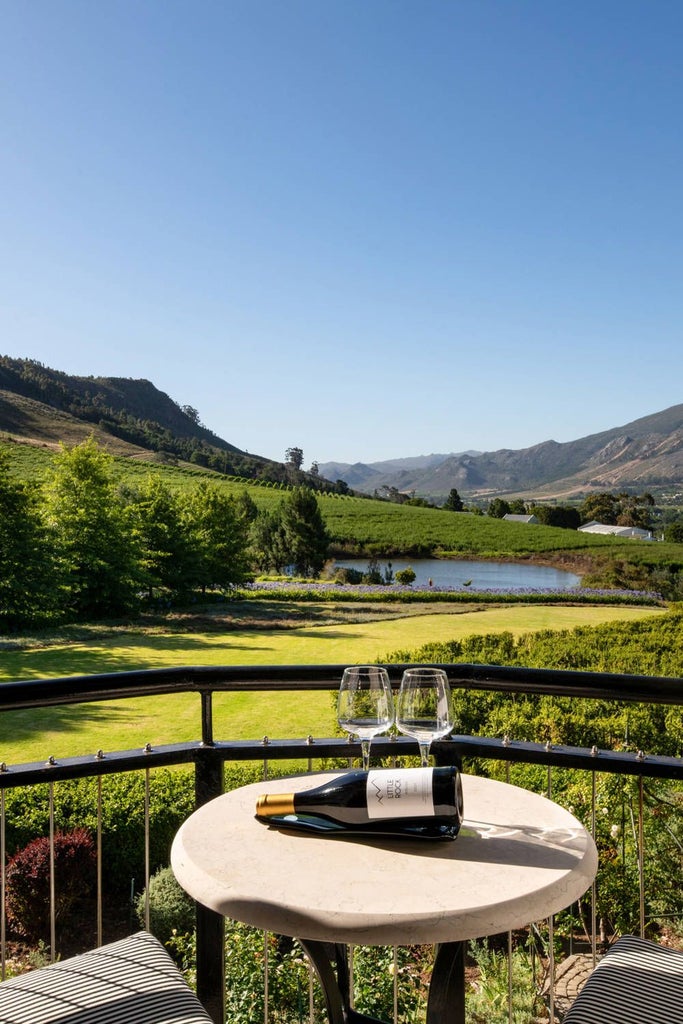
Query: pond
point(478, 575)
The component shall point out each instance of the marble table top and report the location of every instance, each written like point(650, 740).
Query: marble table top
point(518, 858)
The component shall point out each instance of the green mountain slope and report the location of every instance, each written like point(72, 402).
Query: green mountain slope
point(128, 417)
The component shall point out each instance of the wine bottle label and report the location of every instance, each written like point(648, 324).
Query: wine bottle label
point(400, 793)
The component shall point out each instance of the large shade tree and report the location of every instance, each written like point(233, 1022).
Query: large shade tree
point(498, 507)
point(621, 509)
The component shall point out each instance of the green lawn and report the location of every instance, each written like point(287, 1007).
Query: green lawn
point(34, 735)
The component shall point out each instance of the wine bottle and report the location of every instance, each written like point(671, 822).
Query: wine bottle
point(360, 799)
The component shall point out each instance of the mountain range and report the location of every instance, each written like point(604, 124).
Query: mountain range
point(133, 418)
point(645, 455)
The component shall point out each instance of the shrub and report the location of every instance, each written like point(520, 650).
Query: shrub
point(27, 894)
point(345, 574)
point(170, 908)
point(405, 576)
point(171, 801)
point(123, 818)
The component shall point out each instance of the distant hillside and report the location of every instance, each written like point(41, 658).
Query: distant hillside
point(645, 455)
point(368, 477)
point(129, 417)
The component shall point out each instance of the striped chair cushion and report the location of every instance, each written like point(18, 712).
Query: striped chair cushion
point(636, 982)
point(133, 981)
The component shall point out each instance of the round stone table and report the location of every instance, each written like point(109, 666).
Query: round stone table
point(519, 858)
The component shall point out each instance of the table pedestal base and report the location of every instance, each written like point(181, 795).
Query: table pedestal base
point(446, 1002)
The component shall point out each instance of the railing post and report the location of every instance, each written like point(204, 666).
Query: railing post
point(210, 925)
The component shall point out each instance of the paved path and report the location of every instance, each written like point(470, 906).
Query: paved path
point(570, 977)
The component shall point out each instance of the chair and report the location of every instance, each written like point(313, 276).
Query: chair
point(133, 981)
point(636, 982)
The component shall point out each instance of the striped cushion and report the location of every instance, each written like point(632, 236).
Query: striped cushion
point(133, 981)
point(636, 982)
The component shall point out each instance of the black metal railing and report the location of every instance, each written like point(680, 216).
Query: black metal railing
point(208, 754)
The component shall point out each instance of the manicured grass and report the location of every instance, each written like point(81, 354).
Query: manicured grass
point(34, 735)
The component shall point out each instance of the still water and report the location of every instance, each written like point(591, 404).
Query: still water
point(478, 575)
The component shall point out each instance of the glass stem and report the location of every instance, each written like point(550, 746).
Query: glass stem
point(424, 753)
point(365, 750)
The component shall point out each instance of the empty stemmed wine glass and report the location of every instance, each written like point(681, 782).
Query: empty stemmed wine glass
point(365, 706)
point(423, 707)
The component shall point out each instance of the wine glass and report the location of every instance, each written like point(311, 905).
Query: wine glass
point(423, 707)
point(365, 706)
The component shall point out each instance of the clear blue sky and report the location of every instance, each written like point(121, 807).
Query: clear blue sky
point(367, 228)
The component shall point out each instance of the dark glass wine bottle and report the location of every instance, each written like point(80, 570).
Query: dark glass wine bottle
point(358, 799)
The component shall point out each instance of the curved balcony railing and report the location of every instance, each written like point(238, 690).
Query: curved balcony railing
point(208, 753)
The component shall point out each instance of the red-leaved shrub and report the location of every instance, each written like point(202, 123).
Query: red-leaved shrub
point(27, 892)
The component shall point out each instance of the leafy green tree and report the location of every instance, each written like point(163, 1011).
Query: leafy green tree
point(27, 591)
point(619, 509)
point(191, 413)
point(267, 540)
point(245, 506)
point(293, 534)
point(165, 550)
point(305, 535)
point(565, 516)
point(636, 510)
point(602, 507)
point(217, 537)
point(498, 508)
point(674, 532)
point(88, 524)
point(518, 507)
point(294, 457)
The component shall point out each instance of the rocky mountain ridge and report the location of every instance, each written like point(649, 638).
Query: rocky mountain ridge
point(644, 455)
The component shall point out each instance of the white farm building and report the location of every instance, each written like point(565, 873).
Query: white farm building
point(617, 531)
